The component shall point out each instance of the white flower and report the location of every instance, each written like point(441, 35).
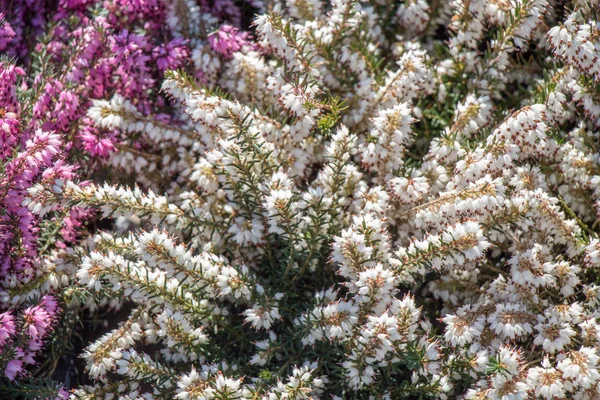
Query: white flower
point(546, 381)
point(511, 320)
point(553, 337)
point(261, 317)
point(463, 327)
point(592, 253)
point(193, 386)
point(247, 232)
point(508, 388)
point(581, 366)
point(409, 191)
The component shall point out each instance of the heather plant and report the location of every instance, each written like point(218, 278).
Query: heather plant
point(56, 60)
point(373, 200)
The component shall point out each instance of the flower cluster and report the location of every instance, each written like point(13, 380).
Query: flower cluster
point(21, 340)
point(347, 199)
point(58, 60)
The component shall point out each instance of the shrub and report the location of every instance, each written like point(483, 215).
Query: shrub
point(367, 200)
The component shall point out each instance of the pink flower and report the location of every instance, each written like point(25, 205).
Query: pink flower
point(13, 368)
point(71, 223)
point(49, 303)
point(42, 148)
point(8, 86)
point(27, 357)
point(33, 346)
point(37, 321)
point(9, 123)
point(93, 142)
point(7, 327)
point(228, 40)
point(7, 33)
point(74, 4)
point(58, 170)
point(62, 394)
point(9, 132)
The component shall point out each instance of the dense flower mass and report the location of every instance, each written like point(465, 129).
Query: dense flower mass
point(287, 199)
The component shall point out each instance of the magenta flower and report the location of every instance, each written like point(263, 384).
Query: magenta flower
point(9, 132)
point(97, 143)
point(45, 135)
point(9, 123)
point(150, 13)
point(97, 147)
point(7, 33)
point(228, 40)
point(74, 4)
point(71, 223)
point(131, 61)
point(56, 108)
point(225, 10)
point(171, 55)
point(8, 86)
